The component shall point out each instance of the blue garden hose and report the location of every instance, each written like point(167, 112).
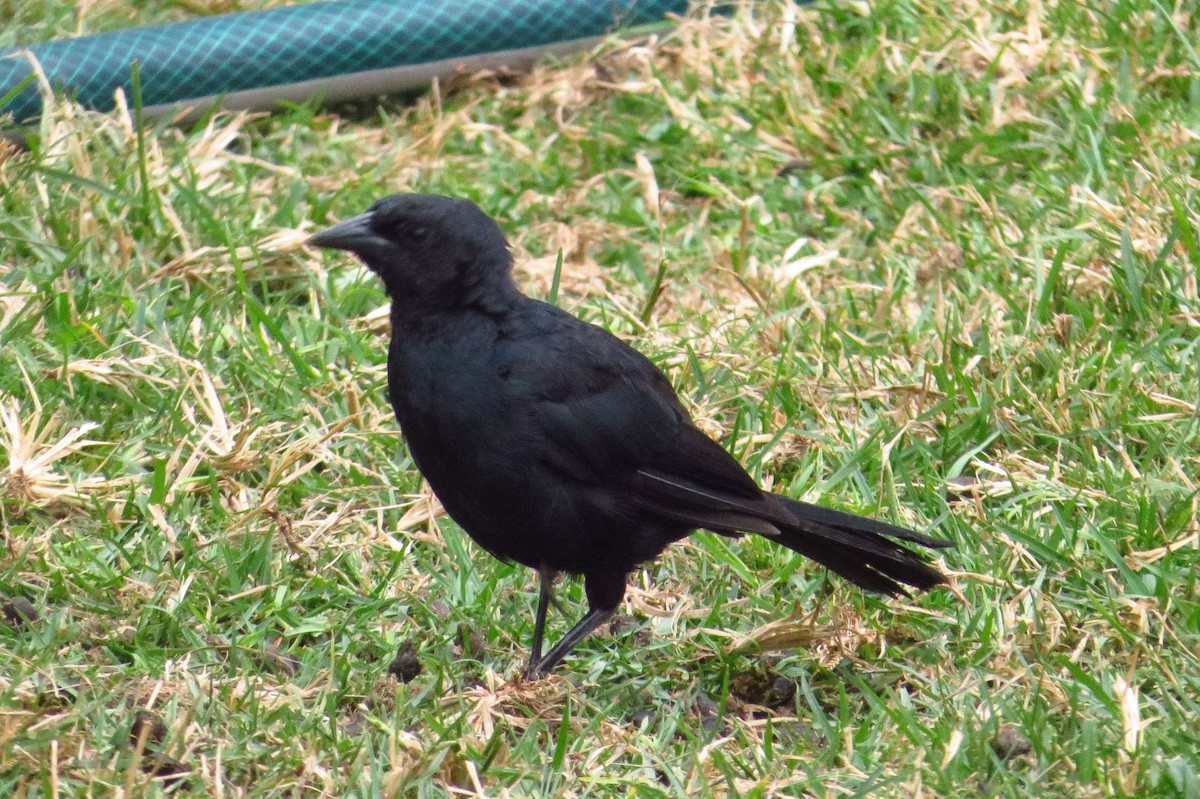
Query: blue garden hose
point(345, 49)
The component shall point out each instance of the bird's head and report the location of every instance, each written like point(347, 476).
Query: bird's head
point(430, 251)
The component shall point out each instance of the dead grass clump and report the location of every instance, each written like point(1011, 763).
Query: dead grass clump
point(37, 446)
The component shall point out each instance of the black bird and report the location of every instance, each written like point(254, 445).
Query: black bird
point(556, 445)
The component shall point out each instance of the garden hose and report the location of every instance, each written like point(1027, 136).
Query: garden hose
point(336, 50)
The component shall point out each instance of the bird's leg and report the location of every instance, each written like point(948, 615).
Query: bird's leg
point(593, 619)
point(604, 592)
point(545, 597)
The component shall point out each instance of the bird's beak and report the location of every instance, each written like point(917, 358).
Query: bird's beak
point(353, 234)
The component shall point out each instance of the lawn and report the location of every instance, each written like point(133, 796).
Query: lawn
point(934, 262)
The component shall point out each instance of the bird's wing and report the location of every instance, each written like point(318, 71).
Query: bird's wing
point(697, 482)
point(609, 417)
point(601, 407)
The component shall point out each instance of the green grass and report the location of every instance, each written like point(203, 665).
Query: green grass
point(935, 262)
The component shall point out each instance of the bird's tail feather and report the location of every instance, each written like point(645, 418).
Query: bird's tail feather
point(866, 552)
